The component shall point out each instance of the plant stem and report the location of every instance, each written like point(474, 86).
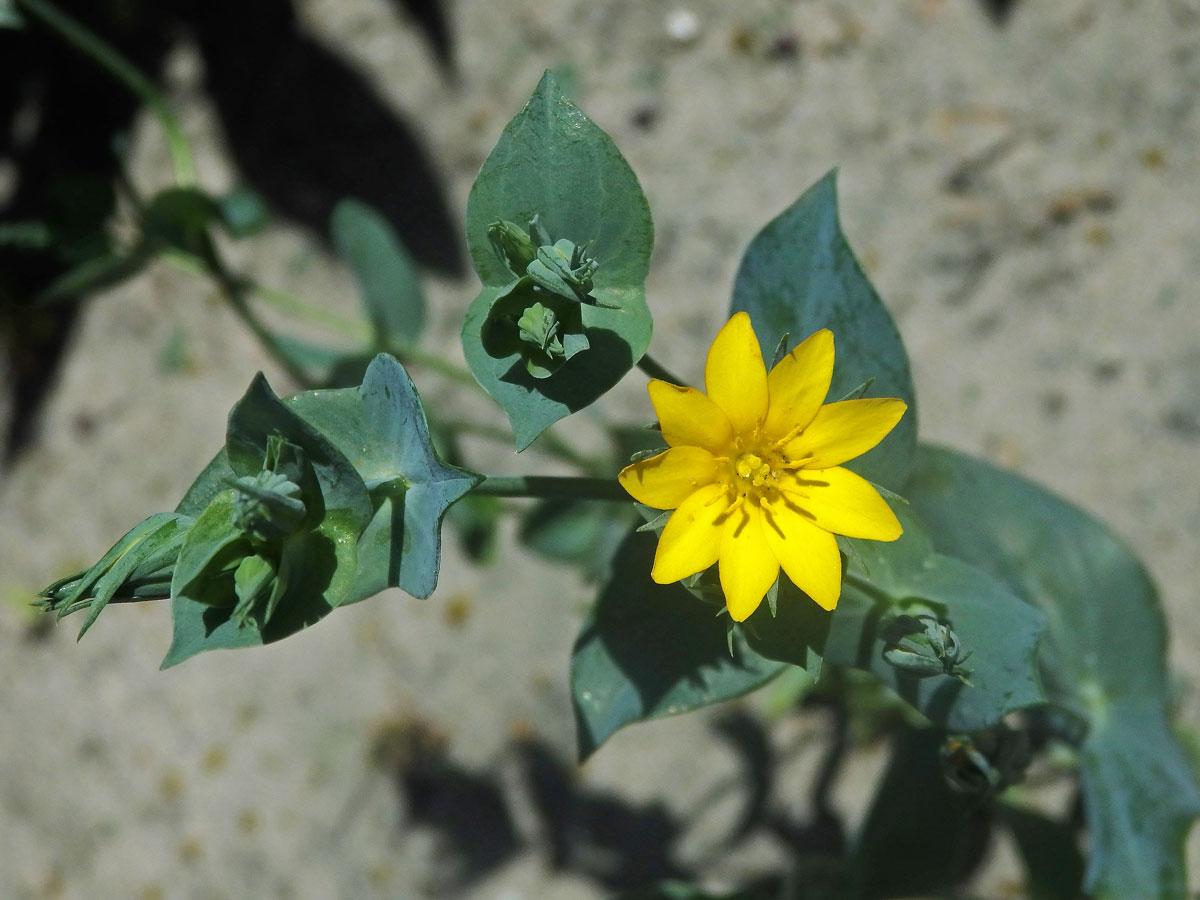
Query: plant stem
point(235, 292)
point(356, 330)
point(107, 57)
point(651, 367)
point(298, 307)
point(548, 486)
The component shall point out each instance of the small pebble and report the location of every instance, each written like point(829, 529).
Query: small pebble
point(682, 25)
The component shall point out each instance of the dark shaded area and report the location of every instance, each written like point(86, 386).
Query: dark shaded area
point(467, 809)
point(999, 11)
point(616, 844)
point(817, 841)
point(303, 127)
point(306, 130)
point(921, 837)
point(430, 16)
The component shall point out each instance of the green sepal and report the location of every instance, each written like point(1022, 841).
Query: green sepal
point(542, 330)
point(554, 166)
point(256, 583)
point(210, 554)
point(921, 645)
point(136, 566)
point(514, 245)
point(267, 507)
point(259, 417)
point(320, 568)
point(564, 269)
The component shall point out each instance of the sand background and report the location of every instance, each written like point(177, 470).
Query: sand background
point(1025, 199)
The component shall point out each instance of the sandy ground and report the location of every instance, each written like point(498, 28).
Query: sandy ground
point(1025, 199)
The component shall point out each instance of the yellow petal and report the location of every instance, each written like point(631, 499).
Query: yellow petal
point(842, 431)
point(748, 568)
point(688, 418)
point(666, 480)
point(840, 501)
point(734, 375)
point(808, 554)
point(691, 540)
point(798, 384)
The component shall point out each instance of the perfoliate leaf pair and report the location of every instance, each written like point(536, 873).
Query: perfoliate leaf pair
point(241, 553)
point(314, 502)
point(556, 218)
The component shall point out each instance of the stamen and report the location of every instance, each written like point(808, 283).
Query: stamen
point(794, 433)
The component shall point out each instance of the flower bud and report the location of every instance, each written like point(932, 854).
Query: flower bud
point(513, 245)
point(267, 507)
point(563, 269)
point(921, 646)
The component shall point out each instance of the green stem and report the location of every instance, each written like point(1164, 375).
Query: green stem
point(549, 486)
point(435, 363)
point(356, 330)
point(107, 57)
point(651, 367)
point(235, 292)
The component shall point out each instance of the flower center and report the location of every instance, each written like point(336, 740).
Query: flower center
point(755, 473)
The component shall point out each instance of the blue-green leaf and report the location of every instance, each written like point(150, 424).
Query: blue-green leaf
point(554, 163)
point(1103, 658)
point(798, 276)
point(387, 277)
point(381, 427)
point(1050, 851)
point(649, 650)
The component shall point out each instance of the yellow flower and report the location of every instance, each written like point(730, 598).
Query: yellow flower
point(753, 471)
